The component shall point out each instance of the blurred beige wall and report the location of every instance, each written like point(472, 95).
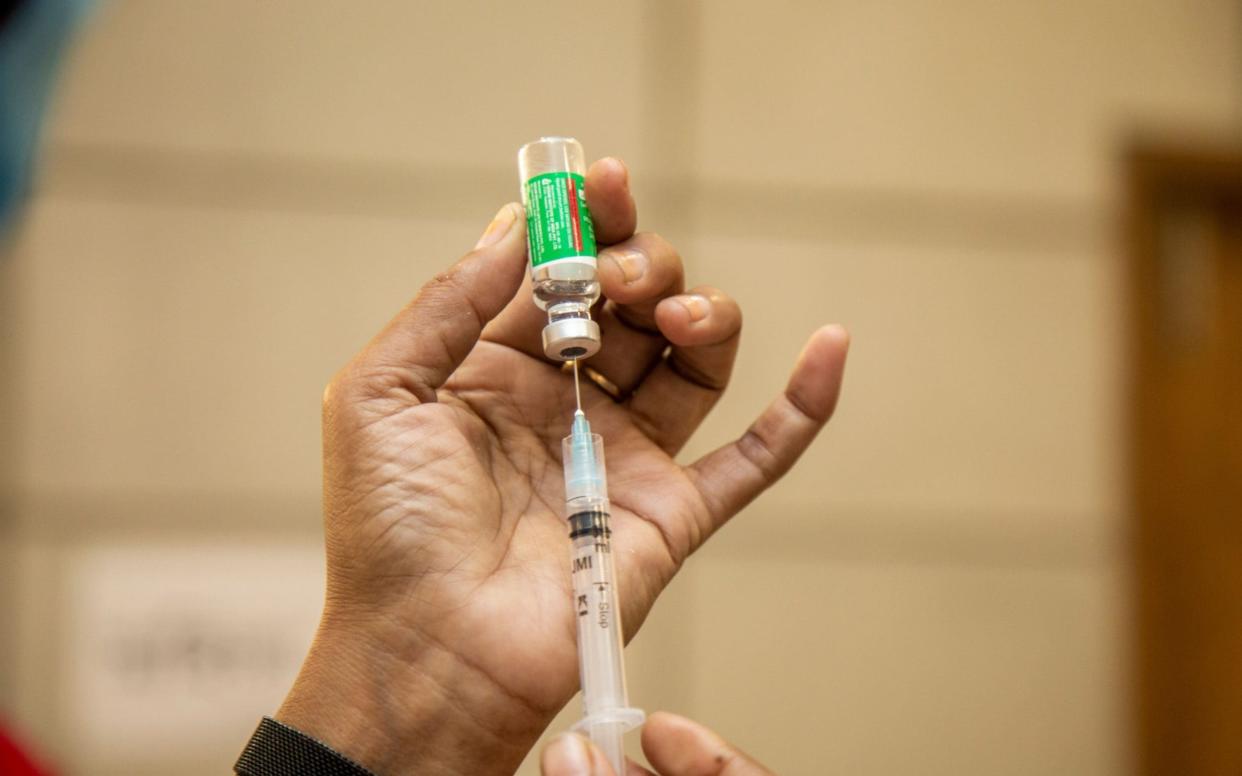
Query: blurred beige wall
point(235, 195)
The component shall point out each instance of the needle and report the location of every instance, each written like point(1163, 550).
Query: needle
point(577, 390)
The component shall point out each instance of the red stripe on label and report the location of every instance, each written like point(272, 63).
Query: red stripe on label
point(573, 213)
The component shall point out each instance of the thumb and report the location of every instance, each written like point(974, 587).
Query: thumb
point(570, 754)
point(435, 332)
point(676, 746)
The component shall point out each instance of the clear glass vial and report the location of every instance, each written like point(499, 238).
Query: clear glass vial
point(560, 244)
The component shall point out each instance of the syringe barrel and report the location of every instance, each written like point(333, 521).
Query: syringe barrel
point(596, 609)
point(601, 666)
point(593, 573)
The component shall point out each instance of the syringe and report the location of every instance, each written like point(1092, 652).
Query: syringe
point(607, 715)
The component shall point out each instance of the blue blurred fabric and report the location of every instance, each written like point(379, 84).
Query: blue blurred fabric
point(32, 42)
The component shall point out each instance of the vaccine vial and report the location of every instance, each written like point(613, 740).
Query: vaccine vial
point(560, 244)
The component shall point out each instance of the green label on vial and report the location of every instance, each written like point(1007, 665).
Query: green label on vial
point(558, 223)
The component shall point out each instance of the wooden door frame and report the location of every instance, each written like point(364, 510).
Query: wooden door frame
point(1157, 176)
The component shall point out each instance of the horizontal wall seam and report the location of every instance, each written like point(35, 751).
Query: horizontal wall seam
point(250, 182)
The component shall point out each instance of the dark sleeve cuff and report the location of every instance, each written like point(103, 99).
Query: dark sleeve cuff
point(276, 749)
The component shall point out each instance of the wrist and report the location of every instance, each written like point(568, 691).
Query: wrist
point(400, 703)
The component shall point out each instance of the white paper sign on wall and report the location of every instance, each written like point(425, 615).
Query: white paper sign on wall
point(173, 652)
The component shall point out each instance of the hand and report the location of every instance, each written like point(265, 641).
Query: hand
point(447, 641)
point(674, 745)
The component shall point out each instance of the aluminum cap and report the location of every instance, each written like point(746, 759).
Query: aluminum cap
point(571, 338)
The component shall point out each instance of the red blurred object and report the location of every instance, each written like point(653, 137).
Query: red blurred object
point(14, 761)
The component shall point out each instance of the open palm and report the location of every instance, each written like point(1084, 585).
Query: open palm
point(447, 543)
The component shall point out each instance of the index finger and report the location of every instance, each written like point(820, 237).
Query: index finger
point(608, 196)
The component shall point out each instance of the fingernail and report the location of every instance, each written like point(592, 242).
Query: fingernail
point(697, 306)
point(567, 755)
point(631, 262)
point(498, 228)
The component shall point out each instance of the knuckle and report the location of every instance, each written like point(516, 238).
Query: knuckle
point(342, 390)
point(446, 295)
point(437, 290)
point(351, 383)
point(760, 455)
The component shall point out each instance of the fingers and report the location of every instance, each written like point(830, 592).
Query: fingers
point(608, 196)
point(570, 754)
point(635, 276)
point(426, 341)
point(730, 477)
point(704, 327)
point(676, 746)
